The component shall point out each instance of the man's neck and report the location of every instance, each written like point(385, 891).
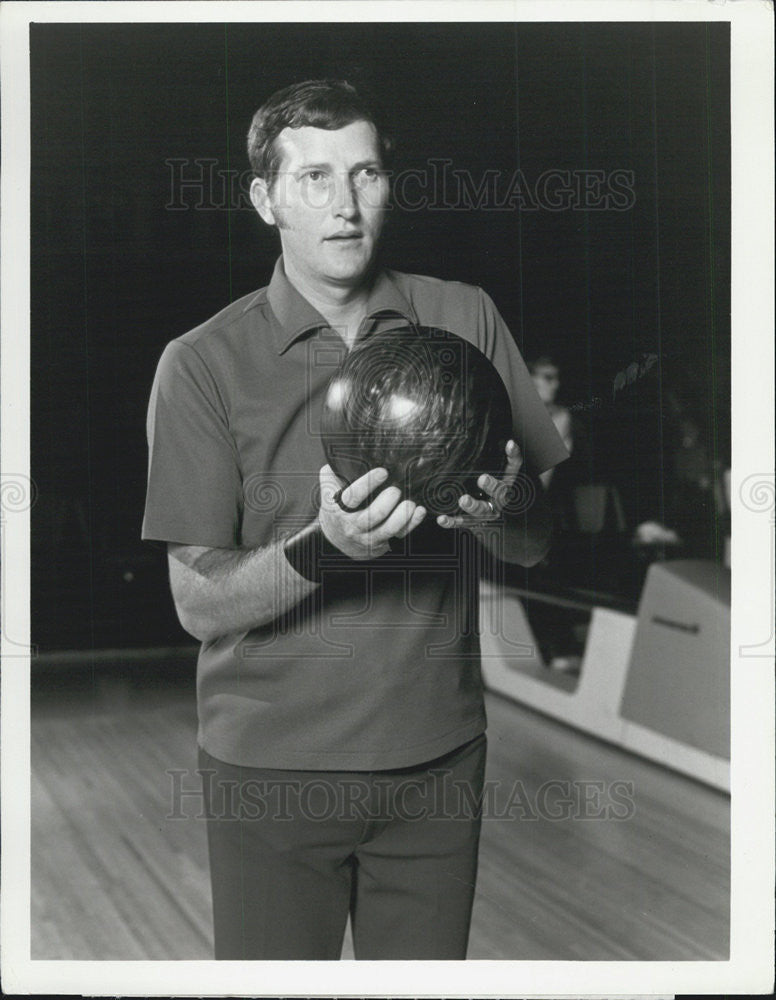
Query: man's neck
point(343, 308)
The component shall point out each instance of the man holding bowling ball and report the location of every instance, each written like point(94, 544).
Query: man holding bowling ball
point(338, 684)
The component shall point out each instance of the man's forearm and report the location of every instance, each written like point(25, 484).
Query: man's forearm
point(218, 591)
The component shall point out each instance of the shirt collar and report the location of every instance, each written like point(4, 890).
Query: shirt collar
point(296, 316)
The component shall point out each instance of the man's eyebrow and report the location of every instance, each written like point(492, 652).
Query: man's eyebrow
point(370, 162)
point(313, 166)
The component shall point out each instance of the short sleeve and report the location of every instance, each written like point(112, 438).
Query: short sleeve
point(194, 494)
point(534, 429)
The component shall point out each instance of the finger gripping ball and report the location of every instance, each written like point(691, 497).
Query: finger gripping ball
point(424, 404)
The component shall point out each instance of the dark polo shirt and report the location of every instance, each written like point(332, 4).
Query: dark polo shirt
point(379, 667)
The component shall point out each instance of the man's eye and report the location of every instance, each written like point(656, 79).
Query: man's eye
point(366, 175)
point(314, 175)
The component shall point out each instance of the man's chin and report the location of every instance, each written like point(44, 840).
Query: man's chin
point(350, 274)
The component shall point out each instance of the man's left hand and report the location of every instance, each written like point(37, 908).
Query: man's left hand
point(476, 512)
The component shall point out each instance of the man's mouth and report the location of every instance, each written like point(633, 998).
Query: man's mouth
point(345, 236)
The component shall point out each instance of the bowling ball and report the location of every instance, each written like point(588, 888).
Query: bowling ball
point(424, 404)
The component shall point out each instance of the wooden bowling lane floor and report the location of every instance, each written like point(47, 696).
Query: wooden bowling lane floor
point(636, 866)
point(587, 852)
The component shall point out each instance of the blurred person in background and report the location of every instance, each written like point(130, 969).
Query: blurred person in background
point(546, 378)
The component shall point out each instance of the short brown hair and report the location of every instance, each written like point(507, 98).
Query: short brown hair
point(327, 104)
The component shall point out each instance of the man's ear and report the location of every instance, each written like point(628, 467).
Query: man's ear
point(260, 200)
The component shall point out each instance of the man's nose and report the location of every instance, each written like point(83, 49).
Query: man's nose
point(346, 199)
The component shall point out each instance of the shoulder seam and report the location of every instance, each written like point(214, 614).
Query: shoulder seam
point(433, 280)
point(205, 326)
point(209, 375)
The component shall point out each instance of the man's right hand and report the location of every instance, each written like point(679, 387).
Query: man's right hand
point(365, 534)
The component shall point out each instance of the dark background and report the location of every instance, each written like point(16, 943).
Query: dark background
point(117, 272)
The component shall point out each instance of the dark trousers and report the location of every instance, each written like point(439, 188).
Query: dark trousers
point(292, 853)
